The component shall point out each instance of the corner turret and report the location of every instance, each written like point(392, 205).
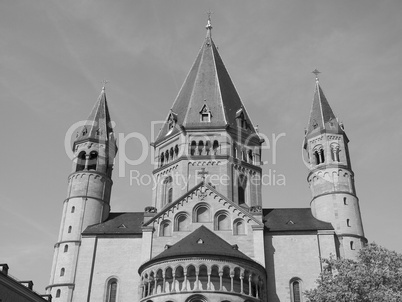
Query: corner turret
point(331, 178)
point(88, 198)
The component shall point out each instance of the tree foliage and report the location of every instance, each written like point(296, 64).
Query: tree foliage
point(376, 276)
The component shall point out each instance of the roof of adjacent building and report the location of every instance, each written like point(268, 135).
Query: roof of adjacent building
point(98, 125)
point(118, 224)
point(292, 219)
point(201, 242)
point(207, 84)
point(321, 115)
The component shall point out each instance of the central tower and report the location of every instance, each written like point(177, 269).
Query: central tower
point(209, 136)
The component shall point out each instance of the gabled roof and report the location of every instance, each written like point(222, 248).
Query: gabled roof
point(207, 83)
point(97, 127)
point(201, 242)
point(241, 211)
point(118, 224)
point(321, 115)
point(292, 219)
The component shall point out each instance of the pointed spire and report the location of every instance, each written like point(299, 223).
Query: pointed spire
point(209, 85)
point(321, 115)
point(98, 127)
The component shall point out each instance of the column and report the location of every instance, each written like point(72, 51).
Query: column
point(155, 286)
point(174, 283)
point(241, 284)
point(164, 283)
point(220, 280)
point(231, 282)
point(197, 271)
point(185, 282)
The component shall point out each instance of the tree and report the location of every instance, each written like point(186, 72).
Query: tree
point(376, 276)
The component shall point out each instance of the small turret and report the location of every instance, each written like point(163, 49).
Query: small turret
point(331, 178)
point(88, 197)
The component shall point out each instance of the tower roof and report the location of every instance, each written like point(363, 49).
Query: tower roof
point(97, 126)
point(208, 87)
point(321, 116)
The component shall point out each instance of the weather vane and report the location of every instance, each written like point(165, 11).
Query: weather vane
point(316, 72)
point(104, 82)
point(209, 26)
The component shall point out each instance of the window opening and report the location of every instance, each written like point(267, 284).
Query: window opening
point(81, 161)
point(200, 147)
point(93, 159)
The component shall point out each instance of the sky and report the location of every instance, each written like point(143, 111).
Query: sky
point(55, 54)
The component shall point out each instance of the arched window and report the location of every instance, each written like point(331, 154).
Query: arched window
point(72, 209)
point(200, 147)
point(58, 293)
point(250, 156)
point(352, 247)
point(66, 248)
point(182, 222)
point(81, 161)
point(244, 154)
point(176, 150)
point(295, 290)
point(111, 293)
point(69, 229)
point(215, 146)
point(162, 157)
point(171, 152)
point(170, 195)
point(239, 227)
point(234, 150)
point(344, 201)
point(241, 189)
point(222, 221)
point(348, 222)
point(165, 229)
point(197, 298)
point(167, 156)
point(202, 213)
point(93, 160)
point(193, 147)
point(167, 191)
point(62, 271)
point(319, 154)
point(207, 147)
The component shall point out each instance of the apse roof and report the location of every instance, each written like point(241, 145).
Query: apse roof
point(202, 242)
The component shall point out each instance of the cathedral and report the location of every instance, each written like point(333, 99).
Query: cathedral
point(205, 236)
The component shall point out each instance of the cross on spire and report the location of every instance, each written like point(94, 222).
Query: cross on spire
point(202, 173)
point(209, 26)
point(316, 72)
point(104, 82)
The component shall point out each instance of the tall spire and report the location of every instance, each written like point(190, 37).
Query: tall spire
point(98, 125)
point(321, 115)
point(208, 88)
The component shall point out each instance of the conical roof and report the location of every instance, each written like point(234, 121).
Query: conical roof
point(202, 242)
point(321, 116)
point(98, 126)
point(207, 87)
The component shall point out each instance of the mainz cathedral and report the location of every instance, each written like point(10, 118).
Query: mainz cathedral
point(210, 240)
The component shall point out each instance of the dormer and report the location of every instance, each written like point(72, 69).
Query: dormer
point(205, 114)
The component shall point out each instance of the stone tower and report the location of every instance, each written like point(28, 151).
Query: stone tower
point(209, 136)
point(88, 195)
point(331, 178)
